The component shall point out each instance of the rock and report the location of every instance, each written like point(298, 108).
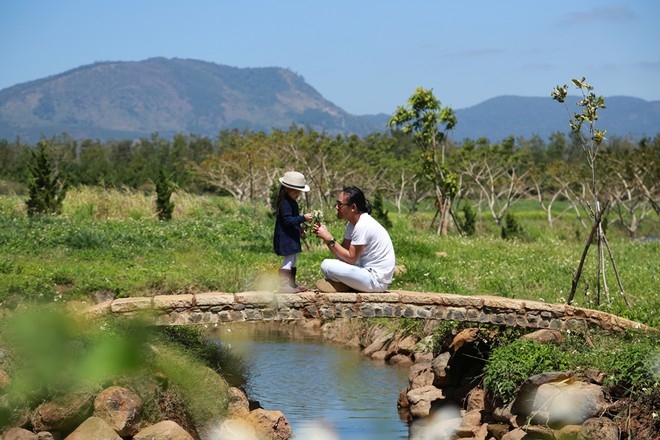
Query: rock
point(440, 369)
point(233, 429)
point(120, 408)
point(420, 400)
point(93, 428)
point(270, 425)
point(472, 418)
point(463, 337)
point(19, 434)
point(568, 432)
point(379, 344)
point(165, 430)
point(476, 400)
point(561, 403)
point(420, 375)
point(497, 430)
point(400, 360)
point(525, 395)
point(599, 428)
point(402, 400)
point(379, 355)
point(422, 356)
point(239, 406)
point(5, 380)
point(539, 432)
point(63, 414)
point(545, 336)
point(516, 434)
point(406, 345)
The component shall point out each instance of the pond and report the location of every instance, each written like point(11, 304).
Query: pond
point(324, 390)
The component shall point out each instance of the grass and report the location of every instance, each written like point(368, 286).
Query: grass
point(111, 241)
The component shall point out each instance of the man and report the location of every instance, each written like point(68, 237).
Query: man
point(365, 259)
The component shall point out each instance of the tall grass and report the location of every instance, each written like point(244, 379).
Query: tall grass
point(110, 241)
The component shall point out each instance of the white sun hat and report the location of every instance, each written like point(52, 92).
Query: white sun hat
point(294, 180)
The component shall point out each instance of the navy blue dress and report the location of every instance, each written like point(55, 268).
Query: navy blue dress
point(286, 239)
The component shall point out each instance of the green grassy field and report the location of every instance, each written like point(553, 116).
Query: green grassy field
point(110, 241)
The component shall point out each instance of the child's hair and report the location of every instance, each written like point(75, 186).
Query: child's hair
point(278, 200)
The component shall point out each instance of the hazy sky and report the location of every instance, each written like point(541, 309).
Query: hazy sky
point(364, 56)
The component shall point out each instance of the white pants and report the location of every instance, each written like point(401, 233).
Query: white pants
point(356, 277)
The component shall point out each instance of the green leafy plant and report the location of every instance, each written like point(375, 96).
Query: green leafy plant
point(511, 228)
point(164, 189)
point(379, 212)
point(510, 365)
point(46, 186)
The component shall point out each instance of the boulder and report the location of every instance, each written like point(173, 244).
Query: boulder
point(439, 365)
point(476, 400)
point(120, 408)
point(165, 430)
point(93, 427)
point(270, 425)
point(599, 428)
point(63, 414)
point(544, 336)
point(239, 406)
point(406, 345)
point(420, 375)
point(463, 337)
point(562, 403)
point(400, 360)
point(379, 344)
point(233, 429)
point(19, 434)
point(421, 399)
point(5, 380)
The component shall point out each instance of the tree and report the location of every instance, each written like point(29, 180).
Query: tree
point(164, 188)
point(583, 126)
point(46, 185)
point(428, 122)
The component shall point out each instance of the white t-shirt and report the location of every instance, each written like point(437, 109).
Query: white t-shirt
point(378, 254)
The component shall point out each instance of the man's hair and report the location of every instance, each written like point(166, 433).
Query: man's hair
point(356, 196)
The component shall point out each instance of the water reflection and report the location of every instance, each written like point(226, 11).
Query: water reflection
point(325, 391)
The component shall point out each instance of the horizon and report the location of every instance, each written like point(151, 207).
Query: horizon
point(366, 58)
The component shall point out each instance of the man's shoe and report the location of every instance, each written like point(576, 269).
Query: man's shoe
point(328, 286)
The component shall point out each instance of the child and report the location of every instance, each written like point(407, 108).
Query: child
point(288, 221)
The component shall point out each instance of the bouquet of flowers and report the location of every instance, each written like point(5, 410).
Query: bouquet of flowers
point(317, 218)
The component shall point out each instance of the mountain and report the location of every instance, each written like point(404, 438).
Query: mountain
point(503, 116)
point(135, 99)
point(126, 100)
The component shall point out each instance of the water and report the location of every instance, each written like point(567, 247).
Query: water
point(325, 391)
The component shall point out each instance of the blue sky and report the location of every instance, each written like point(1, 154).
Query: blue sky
point(364, 56)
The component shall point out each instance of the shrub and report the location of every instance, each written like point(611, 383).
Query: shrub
point(164, 189)
point(46, 186)
point(470, 220)
point(511, 228)
point(510, 365)
point(379, 211)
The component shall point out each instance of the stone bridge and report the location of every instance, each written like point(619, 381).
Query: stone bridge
point(213, 308)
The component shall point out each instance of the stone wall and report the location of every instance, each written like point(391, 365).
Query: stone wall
point(214, 308)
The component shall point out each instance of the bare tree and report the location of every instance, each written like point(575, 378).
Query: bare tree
point(583, 125)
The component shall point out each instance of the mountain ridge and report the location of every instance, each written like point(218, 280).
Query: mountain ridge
point(133, 99)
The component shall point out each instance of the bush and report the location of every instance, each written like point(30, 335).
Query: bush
point(510, 365)
point(46, 186)
point(511, 228)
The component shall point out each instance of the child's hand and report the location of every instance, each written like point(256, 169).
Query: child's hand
point(309, 217)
